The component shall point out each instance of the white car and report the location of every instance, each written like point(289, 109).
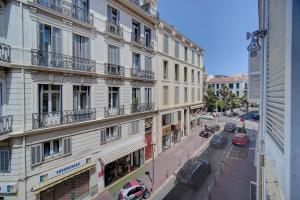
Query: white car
point(209, 117)
point(134, 189)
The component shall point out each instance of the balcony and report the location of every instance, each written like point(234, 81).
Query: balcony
point(144, 74)
point(69, 9)
point(146, 7)
point(56, 60)
point(142, 42)
point(114, 70)
point(5, 51)
point(114, 29)
point(6, 124)
point(44, 120)
point(142, 107)
point(110, 112)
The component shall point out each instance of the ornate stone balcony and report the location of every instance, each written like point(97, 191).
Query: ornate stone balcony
point(6, 124)
point(110, 111)
point(144, 74)
point(142, 107)
point(114, 29)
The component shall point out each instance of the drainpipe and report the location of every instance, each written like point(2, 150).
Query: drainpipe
point(23, 110)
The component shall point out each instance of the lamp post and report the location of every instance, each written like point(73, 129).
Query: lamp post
point(153, 149)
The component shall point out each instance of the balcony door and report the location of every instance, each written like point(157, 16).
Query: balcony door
point(81, 52)
point(148, 96)
point(50, 104)
point(135, 31)
point(136, 62)
point(81, 97)
point(81, 9)
point(147, 35)
point(113, 15)
point(49, 46)
point(113, 100)
point(136, 96)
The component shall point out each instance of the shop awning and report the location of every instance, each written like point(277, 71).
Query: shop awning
point(196, 106)
point(121, 152)
point(58, 179)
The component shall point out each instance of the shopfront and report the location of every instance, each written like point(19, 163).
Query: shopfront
point(166, 137)
point(122, 161)
point(70, 181)
point(8, 189)
point(176, 136)
point(196, 117)
point(148, 138)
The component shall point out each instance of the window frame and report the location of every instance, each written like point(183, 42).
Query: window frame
point(9, 161)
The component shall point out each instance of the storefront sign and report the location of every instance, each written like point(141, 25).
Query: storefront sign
point(61, 170)
point(166, 130)
point(8, 188)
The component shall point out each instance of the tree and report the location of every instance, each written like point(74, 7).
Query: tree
point(210, 99)
point(244, 101)
point(233, 102)
point(220, 104)
point(225, 92)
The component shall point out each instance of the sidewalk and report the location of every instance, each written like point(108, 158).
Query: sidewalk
point(165, 164)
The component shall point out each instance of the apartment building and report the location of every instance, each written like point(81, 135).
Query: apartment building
point(278, 150)
point(179, 86)
point(77, 92)
point(237, 84)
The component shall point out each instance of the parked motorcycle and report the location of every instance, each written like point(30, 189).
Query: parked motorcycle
point(204, 134)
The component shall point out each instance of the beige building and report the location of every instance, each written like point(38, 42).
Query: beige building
point(179, 85)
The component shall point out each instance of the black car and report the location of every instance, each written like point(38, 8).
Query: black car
point(229, 127)
point(193, 172)
point(255, 117)
point(218, 141)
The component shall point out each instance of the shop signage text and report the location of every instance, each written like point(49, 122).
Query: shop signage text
point(8, 188)
point(61, 170)
point(166, 130)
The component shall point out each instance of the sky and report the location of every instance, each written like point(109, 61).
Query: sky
point(218, 26)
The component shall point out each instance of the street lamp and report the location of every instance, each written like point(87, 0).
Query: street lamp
point(153, 149)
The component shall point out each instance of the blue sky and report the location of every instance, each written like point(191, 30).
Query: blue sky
point(218, 26)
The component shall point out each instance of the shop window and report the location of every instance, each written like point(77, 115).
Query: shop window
point(110, 134)
point(166, 119)
point(4, 161)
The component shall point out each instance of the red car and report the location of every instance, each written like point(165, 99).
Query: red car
point(240, 139)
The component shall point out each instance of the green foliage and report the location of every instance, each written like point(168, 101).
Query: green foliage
point(233, 102)
point(210, 99)
point(220, 103)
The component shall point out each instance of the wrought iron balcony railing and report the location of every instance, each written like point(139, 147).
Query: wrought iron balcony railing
point(142, 41)
point(44, 120)
point(113, 28)
point(148, 43)
point(6, 124)
point(146, 6)
point(56, 60)
point(5, 51)
point(138, 73)
point(115, 70)
point(141, 107)
point(69, 9)
point(110, 111)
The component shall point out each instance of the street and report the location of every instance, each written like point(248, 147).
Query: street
point(215, 157)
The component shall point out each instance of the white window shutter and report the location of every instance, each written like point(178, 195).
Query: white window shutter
point(119, 131)
point(103, 135)
point(36, 154)
point(67, 146)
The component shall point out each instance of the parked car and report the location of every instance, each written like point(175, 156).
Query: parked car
point(218, 141)
point(255, 117)
point(240, 139)
point(208, 117)
point(240, 130)
point(229, 127)
point(134, 189)
point(193, 172)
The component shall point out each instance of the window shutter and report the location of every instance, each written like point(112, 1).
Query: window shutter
point(119, 132)
point(41, 36)
point(56, 40)
point(67, 146)
point(118, 17)
point(4, 160)
point(130, 128)
point(36, 154)
point(109, 11)
point(102, 136)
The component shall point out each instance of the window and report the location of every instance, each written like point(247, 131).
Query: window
point(198, 77)
point(113, 15)
point(50, 98)
point(36, 154)
point(165, 95)
point(176, 95)
point(81, 97)
point(218, 86)
point(51, 148)
point(113, 55)
point(67, 146)
point(135, 127)
point(166, 119)
point(165, 70)
point(185, 95)
point(135, 31)
point(148, 64)
point(237, 85)
point(147, 36)
point(199, 61)
point(110, 134)
point(199, 94)
point(185, 54)
point(113, 97)
point(193, 94)
point(193, 57)
point(4, 161)
point(148, 95)
point(176, 72)
point(176, 49)
point(136, 61)
point(81, 47)
point(136, 96)
point(193, 76)
point(231, 85)
point(166, 43)
point(246, 85)
point(185, 74)
point(218, 93)
point(179, 116)
point(237, 93)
